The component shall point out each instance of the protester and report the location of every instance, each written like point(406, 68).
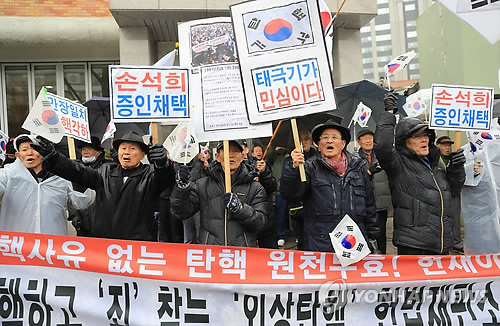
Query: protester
point(379, 181)
point(481, 201)
point(92, 156)
point(444, 144)
point(199, 169)
point(257, 152)
point(421, 193)
point(336, 184)
point(34, 200)
point(267, 236)
point(229, 219)
point(127, 194)
point(276, 158)
point(296, 209)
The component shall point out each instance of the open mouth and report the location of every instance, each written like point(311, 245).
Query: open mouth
point(29, 160)
point(126, 159)
point(330, 148)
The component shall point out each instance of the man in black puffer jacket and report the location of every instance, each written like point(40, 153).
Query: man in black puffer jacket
point(247, 206)
point(337, 184)
point(421, 193)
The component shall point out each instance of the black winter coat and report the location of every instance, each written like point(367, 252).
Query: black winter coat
point(124, 210)
point(421, 196)
point(216, 227)
point(327, 197)
point(84, 219)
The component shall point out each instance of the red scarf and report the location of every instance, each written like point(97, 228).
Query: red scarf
point(340, 166)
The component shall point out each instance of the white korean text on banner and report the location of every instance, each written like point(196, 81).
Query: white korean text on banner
point(461, 107)
point(56, 280)
point(43, 120)
point(217, 98)
point(283, 59)
point(74, 117)
point(142, 94)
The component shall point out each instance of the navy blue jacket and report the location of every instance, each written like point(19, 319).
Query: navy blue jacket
point(327, 197)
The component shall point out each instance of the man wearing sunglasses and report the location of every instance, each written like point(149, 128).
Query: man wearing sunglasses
point(421, 192)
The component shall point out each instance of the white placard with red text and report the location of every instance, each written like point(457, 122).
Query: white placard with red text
point(461, 107)
point(283, 59)
point(143, 94)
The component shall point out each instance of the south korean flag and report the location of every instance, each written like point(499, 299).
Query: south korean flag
point(348, 242)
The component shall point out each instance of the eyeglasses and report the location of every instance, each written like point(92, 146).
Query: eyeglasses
point(333, 137)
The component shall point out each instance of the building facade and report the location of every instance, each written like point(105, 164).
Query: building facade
point(391, 33)
point(68, 45)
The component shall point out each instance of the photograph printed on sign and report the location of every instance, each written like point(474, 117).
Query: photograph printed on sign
point(212, 43)
point(278, 28)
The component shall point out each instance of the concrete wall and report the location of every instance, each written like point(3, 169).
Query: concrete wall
point(452, 52)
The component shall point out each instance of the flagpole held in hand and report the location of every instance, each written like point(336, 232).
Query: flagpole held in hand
point(71, 147)
point(227, 179)
point(296, 139)
point(272, 138)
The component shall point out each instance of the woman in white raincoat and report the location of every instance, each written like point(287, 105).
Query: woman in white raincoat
point(34, 200)
point(481, 200)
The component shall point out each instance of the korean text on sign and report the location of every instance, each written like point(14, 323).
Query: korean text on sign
point(461, 108)
point(147, 94)
point(73, 116)
point(287, 85)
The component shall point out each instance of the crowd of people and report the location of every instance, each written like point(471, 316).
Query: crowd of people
point(399, 169)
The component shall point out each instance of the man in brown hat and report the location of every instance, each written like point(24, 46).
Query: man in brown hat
point(126, 193)
point(337, 184)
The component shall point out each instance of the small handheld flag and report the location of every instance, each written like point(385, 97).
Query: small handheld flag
point(182, 144)
point(399, 63)
point(348, 242)
point(43, 119)
point(362, 115)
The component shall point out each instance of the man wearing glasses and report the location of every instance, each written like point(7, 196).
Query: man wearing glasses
point(421, 192)
point(337, 184)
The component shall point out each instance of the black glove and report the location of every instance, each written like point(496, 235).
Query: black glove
point(157, 155)
point(372, 244)
point(45, 147)
point(232, 202)
point(183, 176)
point(375, 168)
point(390, 100)
point(457, 159)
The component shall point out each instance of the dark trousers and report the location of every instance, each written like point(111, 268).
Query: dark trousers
point(414, 251)
point(281, 217)
point(382, 239)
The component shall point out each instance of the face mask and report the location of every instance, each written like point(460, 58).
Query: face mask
point(89, 159)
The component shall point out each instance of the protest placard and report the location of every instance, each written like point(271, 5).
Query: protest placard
point(73, 116)
point(283, 59)
point(461, 107)
point(87, 281)
point(217, 98)
point(142, 94)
